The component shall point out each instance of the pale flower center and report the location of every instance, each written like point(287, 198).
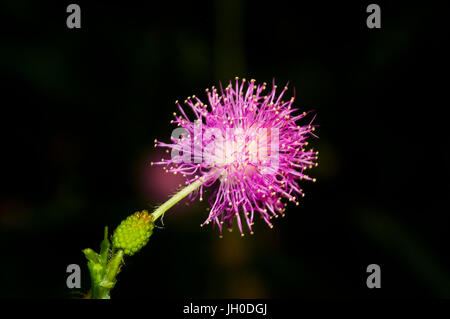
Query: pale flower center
point(242, 151)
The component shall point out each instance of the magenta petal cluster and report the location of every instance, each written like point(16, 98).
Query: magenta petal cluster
point(247, 146)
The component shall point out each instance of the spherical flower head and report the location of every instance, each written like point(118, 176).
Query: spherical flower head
point(133, 233)
point(247, 146)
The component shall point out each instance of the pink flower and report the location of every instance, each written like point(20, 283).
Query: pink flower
point(247, 147)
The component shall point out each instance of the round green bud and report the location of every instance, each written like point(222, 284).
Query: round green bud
point(133, 233)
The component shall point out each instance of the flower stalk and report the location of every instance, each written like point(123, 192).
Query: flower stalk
point(176, 198)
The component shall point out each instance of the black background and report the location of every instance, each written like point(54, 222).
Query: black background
point(81, 108)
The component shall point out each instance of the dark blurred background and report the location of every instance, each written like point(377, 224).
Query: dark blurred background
point(80, 109)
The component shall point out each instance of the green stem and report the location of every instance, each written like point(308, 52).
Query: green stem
point(114, 265)
point(109, 280)
point(176, 198)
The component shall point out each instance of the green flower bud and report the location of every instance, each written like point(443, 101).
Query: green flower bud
point(133, 233)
